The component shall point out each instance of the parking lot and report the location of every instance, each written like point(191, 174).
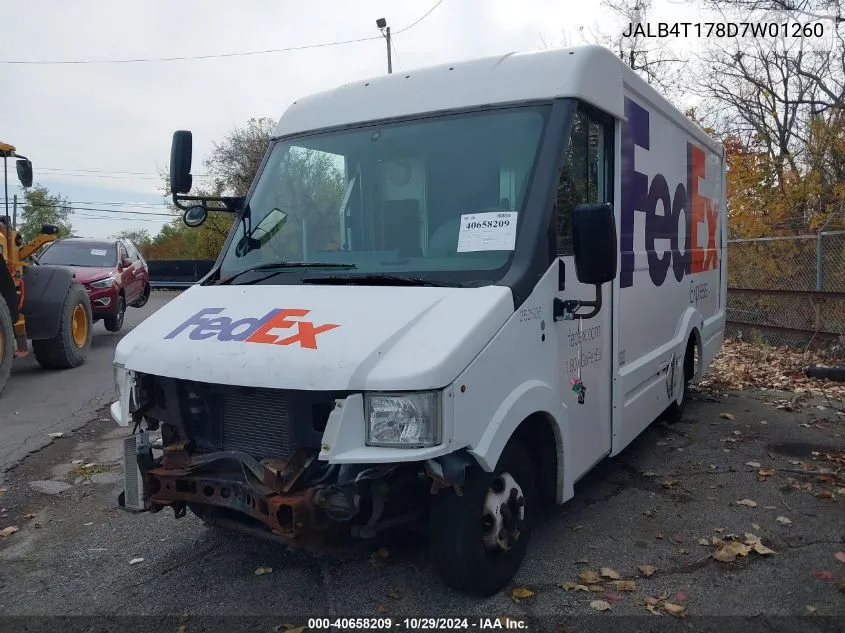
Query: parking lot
point(735, 511)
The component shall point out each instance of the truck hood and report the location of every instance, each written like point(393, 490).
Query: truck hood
point(318, 337)
point(87, 274)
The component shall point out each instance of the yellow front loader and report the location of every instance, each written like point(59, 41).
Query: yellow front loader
point(44, 304)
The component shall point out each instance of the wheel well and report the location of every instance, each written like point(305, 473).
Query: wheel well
point(694, 345)
point(537, 434)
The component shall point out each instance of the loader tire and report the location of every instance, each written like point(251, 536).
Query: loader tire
point(7, 343)
point(71, 345)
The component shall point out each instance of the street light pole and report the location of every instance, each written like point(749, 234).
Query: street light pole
point(381, 23)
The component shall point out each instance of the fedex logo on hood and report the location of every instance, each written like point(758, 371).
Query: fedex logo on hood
point(264, 329)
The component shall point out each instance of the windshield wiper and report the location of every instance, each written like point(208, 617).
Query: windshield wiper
point(282, 265)
point(378, 278)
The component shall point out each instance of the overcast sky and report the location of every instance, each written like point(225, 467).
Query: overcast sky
point(85, 125)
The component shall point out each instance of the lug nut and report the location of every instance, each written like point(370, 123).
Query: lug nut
point(498, 485)
point(487, 522)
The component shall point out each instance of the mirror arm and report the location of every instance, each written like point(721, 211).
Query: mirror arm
point(563, 307)
point(232, 204)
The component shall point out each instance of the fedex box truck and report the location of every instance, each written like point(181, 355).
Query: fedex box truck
point(448, 294)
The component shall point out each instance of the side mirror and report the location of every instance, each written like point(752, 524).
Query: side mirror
point(180, 161)
point(24, 168)
point(49, 229)
point(195, 216)
point(594, 243)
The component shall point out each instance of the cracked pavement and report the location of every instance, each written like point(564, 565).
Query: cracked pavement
point(650, 505)
point(37, 402)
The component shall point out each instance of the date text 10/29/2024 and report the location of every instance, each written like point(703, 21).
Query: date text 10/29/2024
point(504, 623)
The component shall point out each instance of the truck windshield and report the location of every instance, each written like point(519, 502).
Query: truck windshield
point(438, 198)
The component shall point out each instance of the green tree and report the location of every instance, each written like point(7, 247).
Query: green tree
point(139, 237)
point(41, 207)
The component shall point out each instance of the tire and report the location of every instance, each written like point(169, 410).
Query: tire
point(458, 550)
point(7, 343)
point(675, 411)
point(145, 296)
point(115, 323)
point(71, 345)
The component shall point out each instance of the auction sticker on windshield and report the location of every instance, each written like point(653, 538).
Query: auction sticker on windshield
point(494, 231)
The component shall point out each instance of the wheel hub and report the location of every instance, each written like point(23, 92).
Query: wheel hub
point(504, 513)
point(79, 326)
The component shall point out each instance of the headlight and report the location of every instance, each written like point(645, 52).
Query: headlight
point(103, 283)
point(403, 420)
point(120, 382)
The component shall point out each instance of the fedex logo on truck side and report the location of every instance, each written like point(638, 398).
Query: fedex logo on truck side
point(254, 329)
point(685, 221)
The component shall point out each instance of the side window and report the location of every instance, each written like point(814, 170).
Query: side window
point(133, 252)
point(586, 177)
point(121, 250)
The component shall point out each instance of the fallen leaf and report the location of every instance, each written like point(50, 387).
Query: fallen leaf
point(747, 502)
point(651, 601)
point(668, 483)
point(840, 556)
point(180, 628)
point(625, 585)
point(659, 535)
point(395, 594)
point(753, 464)
point(289, 628)
point(607, 572)
point(767, 472)
point(703, 541)
point(652, 610)
point(570, 586)
point(810, 609)
point(649, 473)
point(8, 531)
point(648, 513)
point(824, 494)
point(756, 526)
point(54, 435)
point(600, 605)
point(612, 597)
point(823, 575)
point(381, 609)
point(596, 588)
point(770, 507)
point(580, 561)
point(841, 585)
point(784, 520)
point(263, 570)
point(761, 549)
point(737, 433)
point(727, 416)
point(681, 596)
point(76, 461)
point(647, 570)
point(520, 593)
point(675, 609)
point(719, 530)
point(135, 561)
point(728, 552)
point(589, 576)
point(29, 515)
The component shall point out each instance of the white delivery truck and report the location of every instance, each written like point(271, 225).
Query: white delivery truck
point(448, 294)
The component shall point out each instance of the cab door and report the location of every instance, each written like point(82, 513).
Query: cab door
point(585, 345)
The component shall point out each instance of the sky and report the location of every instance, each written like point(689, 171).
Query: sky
point(99, 134)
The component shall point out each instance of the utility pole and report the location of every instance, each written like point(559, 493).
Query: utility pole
point(381, 23)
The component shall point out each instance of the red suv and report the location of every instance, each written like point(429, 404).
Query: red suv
point(113, 272)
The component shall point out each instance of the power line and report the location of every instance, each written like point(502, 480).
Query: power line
point(215, 55)
point(71, 208)
point(151, 205)
point(107, 171)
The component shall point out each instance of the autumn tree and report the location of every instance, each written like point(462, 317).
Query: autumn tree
point(139, 237)
point(41, 207)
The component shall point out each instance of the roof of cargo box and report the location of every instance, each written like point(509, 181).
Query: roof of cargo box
point(590, 73)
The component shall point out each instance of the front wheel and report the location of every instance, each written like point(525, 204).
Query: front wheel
point(115, 322)
point(70, 346)
point(675, 412)
point(145, 296)
point(479, 539)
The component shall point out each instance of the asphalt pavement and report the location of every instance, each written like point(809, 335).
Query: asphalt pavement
point(37, 402)
point(735, 470)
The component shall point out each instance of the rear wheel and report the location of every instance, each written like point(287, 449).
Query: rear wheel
point(145, 296)
point(479, 539)
point(7, 343)
point(70, 346)
point(675, 412)
point(115, 322)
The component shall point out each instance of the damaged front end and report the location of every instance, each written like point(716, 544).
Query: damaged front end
point(248, 458)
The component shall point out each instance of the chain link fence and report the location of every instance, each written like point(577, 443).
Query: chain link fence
point(788, 291)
